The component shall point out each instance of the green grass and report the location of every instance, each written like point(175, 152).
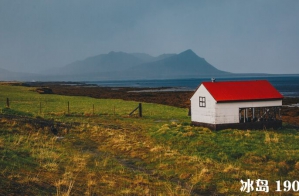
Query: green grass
point(109, 153)
point(25, 101)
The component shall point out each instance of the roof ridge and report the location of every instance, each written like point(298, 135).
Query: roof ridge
point(242, 91)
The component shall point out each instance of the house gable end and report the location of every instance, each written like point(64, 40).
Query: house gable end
point(203, 106)
point(202, 91)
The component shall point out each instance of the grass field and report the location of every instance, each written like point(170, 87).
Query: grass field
point(100, 150)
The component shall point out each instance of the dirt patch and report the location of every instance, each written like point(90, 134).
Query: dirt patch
point(53, 127)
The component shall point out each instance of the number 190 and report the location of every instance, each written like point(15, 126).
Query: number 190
point(288, 185)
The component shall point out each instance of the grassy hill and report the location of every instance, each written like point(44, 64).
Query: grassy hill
point(100, 150)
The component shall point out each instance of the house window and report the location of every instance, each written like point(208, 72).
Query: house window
point(202, 101)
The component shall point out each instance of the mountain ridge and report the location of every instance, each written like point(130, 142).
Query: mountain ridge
point(103, 63)
point(185, 64)
point(128, 66)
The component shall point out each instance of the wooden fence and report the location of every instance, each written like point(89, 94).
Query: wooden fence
point(9, 104)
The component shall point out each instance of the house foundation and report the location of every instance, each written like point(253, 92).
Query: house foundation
point(261, 125)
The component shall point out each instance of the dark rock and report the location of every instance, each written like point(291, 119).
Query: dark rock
point(44, 90)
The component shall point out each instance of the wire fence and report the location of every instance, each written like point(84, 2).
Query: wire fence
point(63, 107)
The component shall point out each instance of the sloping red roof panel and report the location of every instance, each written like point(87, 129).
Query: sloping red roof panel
point(242, 90)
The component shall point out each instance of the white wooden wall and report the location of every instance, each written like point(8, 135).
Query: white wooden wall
point(203, 114)
point(229, 112)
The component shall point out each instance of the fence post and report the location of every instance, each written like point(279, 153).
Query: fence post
point(92, 109)
point(68, 107)
point(7, 102)
point(140, 110)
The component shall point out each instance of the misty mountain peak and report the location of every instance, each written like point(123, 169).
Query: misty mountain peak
point(188, 54)
point(189, 51)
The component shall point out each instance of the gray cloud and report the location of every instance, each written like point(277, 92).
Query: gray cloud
point(233, 35)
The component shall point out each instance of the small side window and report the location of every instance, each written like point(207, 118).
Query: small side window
point(202, 102)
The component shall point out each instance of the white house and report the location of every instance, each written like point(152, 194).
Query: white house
point(236, 104)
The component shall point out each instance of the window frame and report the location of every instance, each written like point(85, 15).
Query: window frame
point(202, 102)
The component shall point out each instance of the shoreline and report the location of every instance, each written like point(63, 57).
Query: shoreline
point(126, 93)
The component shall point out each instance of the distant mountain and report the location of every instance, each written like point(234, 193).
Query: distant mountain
point(144, 57)
point(104, 63)
point(148, 58)
point(126, 66)
point(163, 56)
point(184, 65)
point(120, 65)
point(113, 61)
point(6, 75)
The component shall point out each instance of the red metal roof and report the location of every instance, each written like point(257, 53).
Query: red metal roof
point(242, 90)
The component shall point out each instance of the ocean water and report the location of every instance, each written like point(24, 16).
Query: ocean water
point(287, 85)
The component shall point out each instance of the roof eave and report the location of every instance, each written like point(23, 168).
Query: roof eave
point(251, 100)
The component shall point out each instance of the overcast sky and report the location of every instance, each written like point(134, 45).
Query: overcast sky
point(233, 35)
